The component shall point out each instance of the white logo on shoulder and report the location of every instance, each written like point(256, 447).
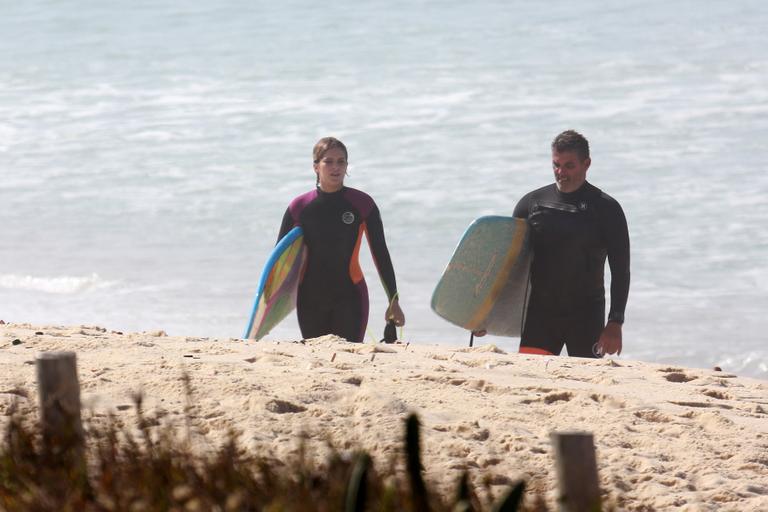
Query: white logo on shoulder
point(348, 217)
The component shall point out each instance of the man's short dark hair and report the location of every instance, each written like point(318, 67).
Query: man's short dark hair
point(571, 140)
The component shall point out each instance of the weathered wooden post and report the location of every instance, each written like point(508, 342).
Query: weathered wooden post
point(578, 488)
point(59, 393)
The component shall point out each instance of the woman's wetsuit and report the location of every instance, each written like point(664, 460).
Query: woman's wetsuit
point(333, 297)
point(571, 235)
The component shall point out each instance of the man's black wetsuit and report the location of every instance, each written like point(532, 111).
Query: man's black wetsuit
point(571, 235)
point(333, 297)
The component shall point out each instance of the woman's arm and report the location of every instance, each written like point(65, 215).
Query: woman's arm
point(383, 261)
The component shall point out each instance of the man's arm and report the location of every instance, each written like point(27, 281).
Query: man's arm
point(617, 238)
point(522, 208)
point(617, 242)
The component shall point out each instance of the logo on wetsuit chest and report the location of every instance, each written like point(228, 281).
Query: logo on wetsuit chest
point(347, 217)
point(583, 205)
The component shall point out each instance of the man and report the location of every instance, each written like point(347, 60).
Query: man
point(574, 227)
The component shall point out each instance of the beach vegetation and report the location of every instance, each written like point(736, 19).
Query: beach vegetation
point(149, 467)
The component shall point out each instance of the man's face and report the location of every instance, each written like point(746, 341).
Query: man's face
point(570, 170)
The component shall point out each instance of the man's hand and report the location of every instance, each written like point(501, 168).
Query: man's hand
point(395, 314)
point(480, 333)
point(610, 339)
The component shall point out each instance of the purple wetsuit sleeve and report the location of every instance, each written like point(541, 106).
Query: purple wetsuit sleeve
point(380, 253)
point(293, 212)
point(287, 225)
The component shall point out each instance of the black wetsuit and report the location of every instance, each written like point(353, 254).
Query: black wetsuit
point(571, 235)
point(333, 297)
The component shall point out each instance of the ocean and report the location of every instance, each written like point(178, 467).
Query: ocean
point(148, 151)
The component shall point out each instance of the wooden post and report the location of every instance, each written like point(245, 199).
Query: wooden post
point(578, 488)
point(59, 393)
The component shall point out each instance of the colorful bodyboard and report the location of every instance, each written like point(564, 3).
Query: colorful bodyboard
point(278, 286)
point(485, 285)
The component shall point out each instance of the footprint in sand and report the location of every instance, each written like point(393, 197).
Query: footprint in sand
point(565, 396)
point(653, 416)
point(622, 485)
point(760, 460)
point(354, 380)
point(701, 404)
point(472, 431)
point(271, 358)
point(539, 389)
point(551, 398)
point(499, 479)
point(678, 377)
point(16, 391)
point(757, 489)
point(717, 394)
point(535, 389)
point(283, 407)
point(608, 400)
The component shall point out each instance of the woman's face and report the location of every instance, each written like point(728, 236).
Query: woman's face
point(331, 170)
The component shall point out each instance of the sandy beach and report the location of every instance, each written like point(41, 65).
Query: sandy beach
point(667, 438)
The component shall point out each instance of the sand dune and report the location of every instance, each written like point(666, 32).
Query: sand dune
point(667, 438)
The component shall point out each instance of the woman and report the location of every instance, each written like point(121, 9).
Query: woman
point(333, 297)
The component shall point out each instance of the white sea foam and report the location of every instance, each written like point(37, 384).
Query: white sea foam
point(62, 285)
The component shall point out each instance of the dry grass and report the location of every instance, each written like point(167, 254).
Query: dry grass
point(149, 468)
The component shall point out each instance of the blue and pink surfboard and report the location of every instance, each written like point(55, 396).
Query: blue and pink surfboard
point(278, 286)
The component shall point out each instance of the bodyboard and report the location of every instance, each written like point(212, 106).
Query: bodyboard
point(485, 285)
point(278, 286)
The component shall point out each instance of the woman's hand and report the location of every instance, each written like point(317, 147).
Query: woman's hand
point(395, 314)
